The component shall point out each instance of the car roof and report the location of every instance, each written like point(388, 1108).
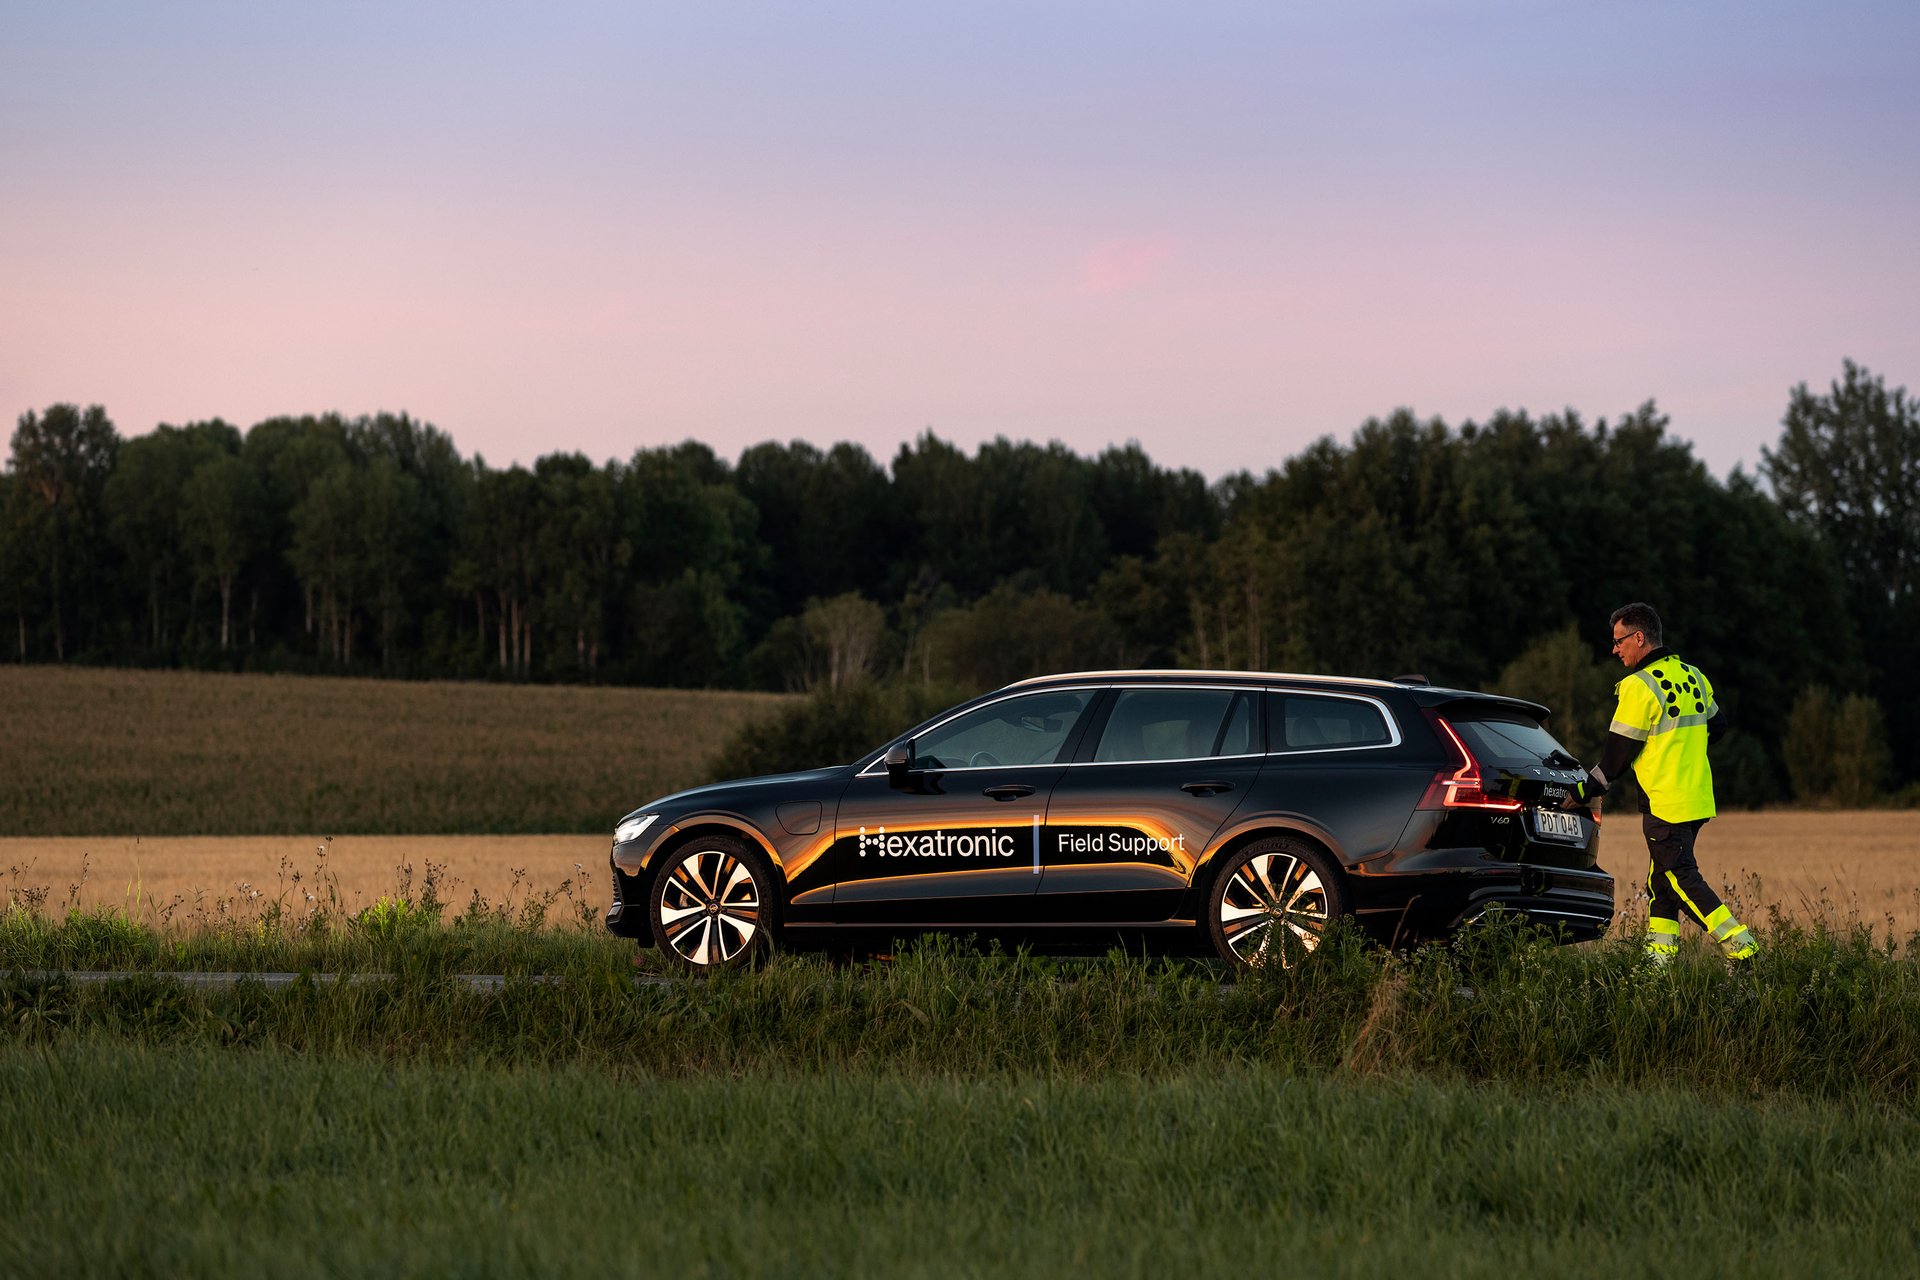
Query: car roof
point(1169, 673)
point(1426, 695)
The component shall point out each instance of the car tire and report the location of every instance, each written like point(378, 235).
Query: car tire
point(713, 905)
point(1273, 901)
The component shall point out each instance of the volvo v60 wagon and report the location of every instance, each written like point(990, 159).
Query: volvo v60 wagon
point(1238, 811)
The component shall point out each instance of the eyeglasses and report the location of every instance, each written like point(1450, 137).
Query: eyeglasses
point(1620, 640)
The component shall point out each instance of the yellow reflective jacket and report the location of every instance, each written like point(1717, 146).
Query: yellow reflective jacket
point(1665, 705)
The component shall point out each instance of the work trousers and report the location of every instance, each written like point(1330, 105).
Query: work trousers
point(1674, 885)
point(1674, 882)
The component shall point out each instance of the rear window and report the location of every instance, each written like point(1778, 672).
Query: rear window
point(1303, 722)
point(1506, 742)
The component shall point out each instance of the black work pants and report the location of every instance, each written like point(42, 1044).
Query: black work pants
point(1674, 882)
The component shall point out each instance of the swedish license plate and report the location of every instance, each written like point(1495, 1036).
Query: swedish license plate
point(1556, 824)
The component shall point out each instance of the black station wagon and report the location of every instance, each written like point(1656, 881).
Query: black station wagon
point(1239, 811)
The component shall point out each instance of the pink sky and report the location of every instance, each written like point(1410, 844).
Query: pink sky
point(1222, 237)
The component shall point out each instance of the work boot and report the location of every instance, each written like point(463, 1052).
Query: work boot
point(1663, 941)
point(1734, 938)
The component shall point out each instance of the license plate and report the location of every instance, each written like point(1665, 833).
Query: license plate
point(1556, 824)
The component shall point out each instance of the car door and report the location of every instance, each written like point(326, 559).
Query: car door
point(1165, 767)
point(960, 842)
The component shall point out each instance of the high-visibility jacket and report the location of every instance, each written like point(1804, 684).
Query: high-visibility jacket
point(1665, 705)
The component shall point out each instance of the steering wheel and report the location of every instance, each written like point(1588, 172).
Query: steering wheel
point(982, 760)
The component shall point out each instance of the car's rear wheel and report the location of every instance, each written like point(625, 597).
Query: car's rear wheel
point(1273, 902)
point(713, 904)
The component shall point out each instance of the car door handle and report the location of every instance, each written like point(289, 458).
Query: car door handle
point(1207, 788)
point(1008, 791)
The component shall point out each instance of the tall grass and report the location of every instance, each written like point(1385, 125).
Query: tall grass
point(102, 752)
point(1820, 1014)
point(120, 1159)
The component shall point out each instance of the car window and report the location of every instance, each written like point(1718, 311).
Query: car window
point(1238, 737)
point(1303, 722)
point(1499, 741)
point(1030, 729)
point(1174, 724)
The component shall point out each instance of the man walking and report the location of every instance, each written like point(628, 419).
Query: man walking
point(1661, 726)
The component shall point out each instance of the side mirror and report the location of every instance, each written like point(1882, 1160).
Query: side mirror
point(899, 765)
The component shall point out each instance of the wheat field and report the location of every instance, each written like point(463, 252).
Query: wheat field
point(87, 752)
point(1832, 867)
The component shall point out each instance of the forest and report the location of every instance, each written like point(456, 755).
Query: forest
point(1483, 554)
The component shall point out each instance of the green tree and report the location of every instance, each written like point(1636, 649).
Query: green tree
point(223, 520)
point(1861, 762)
point(325, 554)
point(1836, 749)
point(497, 558)
point(1008, 635)
point(15, 592)
point(145, 502)
point(843, 638)
point(1848, 463)
point(289, 455)
point(391, 522)
point(61, 460)
point(828, 520)
point(1847, 466)
point(583, 552)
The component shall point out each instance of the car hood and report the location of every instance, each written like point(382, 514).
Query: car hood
point(725, 793)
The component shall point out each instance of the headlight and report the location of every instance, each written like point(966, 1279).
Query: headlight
point(632, 827)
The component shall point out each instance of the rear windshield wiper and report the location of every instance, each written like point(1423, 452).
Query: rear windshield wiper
point(1561, 759)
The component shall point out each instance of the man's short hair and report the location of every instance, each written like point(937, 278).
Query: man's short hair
point(1639, 616)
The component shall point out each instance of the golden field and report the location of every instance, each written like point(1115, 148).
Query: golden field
point(1831, 866)
point(86, 751)
point(205, 793)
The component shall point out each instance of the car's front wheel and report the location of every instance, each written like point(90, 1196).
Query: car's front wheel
point(713, 904)
point(1273, 902)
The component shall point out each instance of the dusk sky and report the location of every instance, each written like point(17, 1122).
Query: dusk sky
point(1222, 230)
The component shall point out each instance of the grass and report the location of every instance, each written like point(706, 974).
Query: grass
point(1821, 1015)
point(104, 752)
point(1494, 1107)
point(127, 1159)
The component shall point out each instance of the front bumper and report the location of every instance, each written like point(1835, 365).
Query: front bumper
point(628, 917)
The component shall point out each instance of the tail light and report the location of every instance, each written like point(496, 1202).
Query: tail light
point(1463, 787)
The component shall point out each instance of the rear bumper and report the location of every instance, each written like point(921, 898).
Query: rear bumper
point(1395, 904)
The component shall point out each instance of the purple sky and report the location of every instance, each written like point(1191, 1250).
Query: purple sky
point(600, 226)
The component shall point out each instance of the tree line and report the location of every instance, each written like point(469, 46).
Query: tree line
point(1482, 555)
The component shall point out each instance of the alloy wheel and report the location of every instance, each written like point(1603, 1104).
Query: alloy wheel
point(1274, 909)
point(710, 908)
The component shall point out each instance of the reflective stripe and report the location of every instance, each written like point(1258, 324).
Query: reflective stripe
point(1670, 723)
point(1697, 915)
point(1626, 730)
point(1739, 944)
point(1661, 927)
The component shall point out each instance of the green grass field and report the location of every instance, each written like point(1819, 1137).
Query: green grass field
point(131, 1160)
point(1501, 1106)
point(157, 753)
